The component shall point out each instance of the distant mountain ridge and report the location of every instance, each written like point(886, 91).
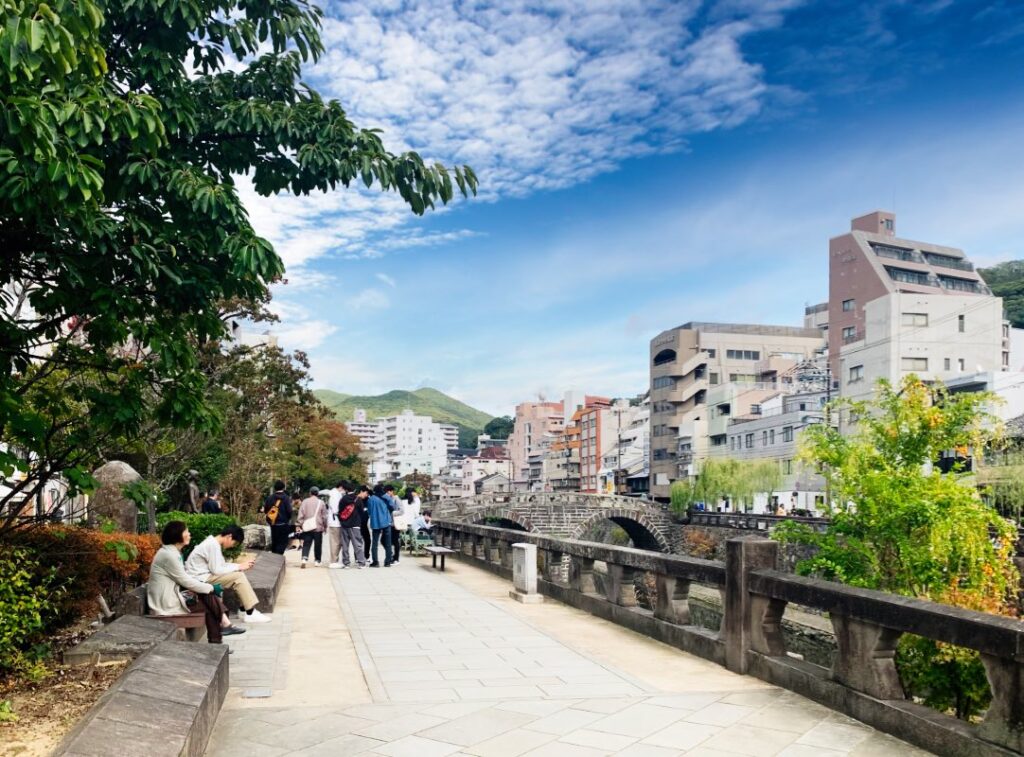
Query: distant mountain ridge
point(426, 401)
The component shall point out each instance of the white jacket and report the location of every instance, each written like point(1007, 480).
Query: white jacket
point(207, 560)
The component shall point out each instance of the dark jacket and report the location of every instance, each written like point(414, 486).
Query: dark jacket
point(284, 508)
point(211, 506)
point(356, 516)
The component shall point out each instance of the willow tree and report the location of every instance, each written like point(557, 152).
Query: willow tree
point(125, 125)
point(738, 481)
point(900, 524)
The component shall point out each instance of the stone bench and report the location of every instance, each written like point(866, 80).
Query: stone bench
point(165, 705)
point(124, 639)
point(266, 577)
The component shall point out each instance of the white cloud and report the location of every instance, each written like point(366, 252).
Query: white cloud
point(369, 299)
point(387, 280)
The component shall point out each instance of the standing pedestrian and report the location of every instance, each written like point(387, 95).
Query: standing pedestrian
point(211, 505)
point(313, 522)
point(278, 509)
point(333, 524)
point(398, 521)
point(364, 523)
point(350, 513)
point(380, 524)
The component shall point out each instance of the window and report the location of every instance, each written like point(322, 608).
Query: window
point(771, 436)
point(662, 382)
point(961, 323)
point(960, 285)
point(908, 277)
point(764, 438)
point(856, 374)
point(661, 454)
point(712, 378)
point(743, 354)
point(748, 441)
point(961, 365)
point(664, 357)
point(1006, 359)
point(915, 319)
point(787, 467)
point(914, 363)
point(946, 364)
point(787, 433)
point(849, 305)
point(849, 332)
point(710, 353)
point(732, 442)
point(742, 378)
point(888, 224)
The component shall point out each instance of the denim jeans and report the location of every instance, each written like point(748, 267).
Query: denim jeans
point(381, 535)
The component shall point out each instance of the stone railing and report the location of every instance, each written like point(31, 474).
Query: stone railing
point(750, 521)
point(862, 681)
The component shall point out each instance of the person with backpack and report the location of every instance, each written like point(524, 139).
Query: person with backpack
point(334, 497)
point(278, 509)
point(379, 509)
point(312, 523)
point(350, 514)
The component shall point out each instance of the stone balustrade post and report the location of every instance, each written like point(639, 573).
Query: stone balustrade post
point(524, 573)
point(742, 555)
point(553, 564)
point(672, 601)
point(1004, 721)
point(619, 585)
point(866, 657)
point(766, 626)
point(581, 575)
point(493, 552)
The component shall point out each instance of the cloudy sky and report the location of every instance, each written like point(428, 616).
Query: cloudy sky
point(642, 164)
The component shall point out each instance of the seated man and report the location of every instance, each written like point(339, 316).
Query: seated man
point(423, 522)
point(207, 564)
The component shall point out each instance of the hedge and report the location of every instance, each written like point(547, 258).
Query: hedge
point(200, 526)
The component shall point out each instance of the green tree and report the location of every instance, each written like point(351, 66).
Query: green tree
point(898, 524)
point(124, 128)
point(726, 478)
point(1007, 281)
point(500, 428)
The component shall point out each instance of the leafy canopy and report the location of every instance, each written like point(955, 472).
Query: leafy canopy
point(124, 127)
point(726, 478)
point(900, 525)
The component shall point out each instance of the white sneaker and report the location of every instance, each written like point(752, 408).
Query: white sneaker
point(318, 563)
point(304, 561)
point(335, 565)
point(255, 617)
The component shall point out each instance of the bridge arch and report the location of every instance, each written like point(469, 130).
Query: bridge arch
point(505, 518)
point(642, 530)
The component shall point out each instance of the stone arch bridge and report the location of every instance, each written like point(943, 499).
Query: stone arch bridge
point(566, 515)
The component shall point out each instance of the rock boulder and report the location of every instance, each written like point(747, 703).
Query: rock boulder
point(109, 502)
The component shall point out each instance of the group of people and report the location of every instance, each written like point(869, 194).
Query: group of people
point(358, 520)
point(178, 586)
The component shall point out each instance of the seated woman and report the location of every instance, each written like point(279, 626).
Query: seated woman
point(172, 591)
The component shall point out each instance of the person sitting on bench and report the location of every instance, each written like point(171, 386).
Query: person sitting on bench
point(207, 564)
point(422, 522)
point(172, 591)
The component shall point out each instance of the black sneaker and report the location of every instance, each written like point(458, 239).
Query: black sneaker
point(375, 565)
point(232, 631)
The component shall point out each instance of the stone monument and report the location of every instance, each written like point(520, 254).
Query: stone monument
point(524, 574)
point(108, 501)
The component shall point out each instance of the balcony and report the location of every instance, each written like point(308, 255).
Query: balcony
point(963, 285)
point(948, 261)
point(906, 276)
point(856, 336)
point(897, 253)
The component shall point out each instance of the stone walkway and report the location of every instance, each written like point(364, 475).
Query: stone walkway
point(441, 664)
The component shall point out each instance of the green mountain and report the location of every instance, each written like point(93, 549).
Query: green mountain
point(426, 401)
point(1007, 281)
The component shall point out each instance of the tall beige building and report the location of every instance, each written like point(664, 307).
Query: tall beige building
point(686, 361)
point(537, 424)
point(899, 306)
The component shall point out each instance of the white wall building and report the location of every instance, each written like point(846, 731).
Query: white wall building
point(402, 444)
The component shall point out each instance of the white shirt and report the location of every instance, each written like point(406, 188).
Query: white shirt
point(412, 509)
point(207, 560)
point(333, 500)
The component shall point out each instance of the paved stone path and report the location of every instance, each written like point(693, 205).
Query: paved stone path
point(442, 664)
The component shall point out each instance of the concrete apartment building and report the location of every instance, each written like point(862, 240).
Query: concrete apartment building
point(689, 360)
point(899, 306)
point(403, 444)
point(536, 425)
point(770, 429)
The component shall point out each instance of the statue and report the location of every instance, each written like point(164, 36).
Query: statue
point(193, 492)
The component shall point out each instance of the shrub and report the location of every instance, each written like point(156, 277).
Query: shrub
point(85, 563)
point(27, 595)
point(200, 526)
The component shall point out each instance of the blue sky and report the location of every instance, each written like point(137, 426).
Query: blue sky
point(642, 164)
